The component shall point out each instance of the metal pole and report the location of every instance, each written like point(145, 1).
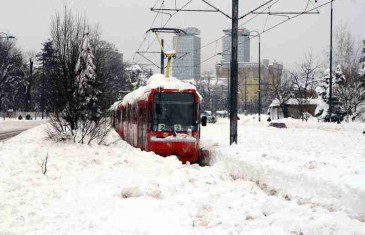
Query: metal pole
point(229, 90)
point(43, 87)
point(259, 78)
point(234, 74)
point(162, 58)
point(245, 93)
point(330, 95)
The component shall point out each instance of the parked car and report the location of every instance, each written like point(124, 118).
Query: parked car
point(210, 117)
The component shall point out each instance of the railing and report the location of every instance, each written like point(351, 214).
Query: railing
point(16, 114)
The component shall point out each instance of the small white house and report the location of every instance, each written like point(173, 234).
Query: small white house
point(294, 108)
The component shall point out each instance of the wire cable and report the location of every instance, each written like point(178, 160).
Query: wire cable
point(277, 25)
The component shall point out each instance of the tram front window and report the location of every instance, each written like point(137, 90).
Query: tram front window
point(174, 112)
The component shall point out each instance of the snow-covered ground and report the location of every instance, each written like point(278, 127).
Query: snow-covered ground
point(275, 181)
point(311, 162)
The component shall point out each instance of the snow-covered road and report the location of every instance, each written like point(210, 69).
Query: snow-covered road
point(118, 189)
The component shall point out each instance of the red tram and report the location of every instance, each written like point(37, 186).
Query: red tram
point(162, 119)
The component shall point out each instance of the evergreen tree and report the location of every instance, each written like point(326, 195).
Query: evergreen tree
point(47, 74)
point(12, 82)
point(87, 83)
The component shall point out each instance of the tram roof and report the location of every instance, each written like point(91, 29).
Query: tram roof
point(114, 106)
point(154, 82)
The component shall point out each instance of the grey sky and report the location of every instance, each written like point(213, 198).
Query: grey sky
point(124, 22)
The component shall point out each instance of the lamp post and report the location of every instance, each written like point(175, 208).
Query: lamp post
point(6, 37)
point(330, 95)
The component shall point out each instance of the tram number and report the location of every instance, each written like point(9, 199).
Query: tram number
point(177, 127)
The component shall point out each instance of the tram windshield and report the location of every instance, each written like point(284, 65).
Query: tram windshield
point(174, 112)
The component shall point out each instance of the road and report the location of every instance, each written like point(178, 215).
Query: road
point(10, 128)
point(9, 134)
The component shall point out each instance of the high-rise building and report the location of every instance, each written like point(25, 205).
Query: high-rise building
point(243, 45)
point(186, 65)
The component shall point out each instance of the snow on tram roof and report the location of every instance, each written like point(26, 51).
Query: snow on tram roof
point(156, 81)
point(114, 106)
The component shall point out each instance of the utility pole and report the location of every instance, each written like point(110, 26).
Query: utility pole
point(234, 74)
point(162, 58)
point(42, 101)
point(330, 95)
point(28, 95)
point(259, 78)
point(245, 107)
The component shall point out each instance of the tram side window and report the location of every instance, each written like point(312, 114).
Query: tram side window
point(134, 111)
point(123, 115)
point(118, 115)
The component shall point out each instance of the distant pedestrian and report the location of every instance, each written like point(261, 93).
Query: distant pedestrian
point(20, 117)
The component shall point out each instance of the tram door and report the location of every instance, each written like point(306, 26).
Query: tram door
point(142, 128)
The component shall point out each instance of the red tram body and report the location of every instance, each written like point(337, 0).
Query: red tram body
point(164, 121)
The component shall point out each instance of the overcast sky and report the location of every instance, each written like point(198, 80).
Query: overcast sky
point(124, 22)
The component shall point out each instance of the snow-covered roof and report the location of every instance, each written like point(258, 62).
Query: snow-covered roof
point(294, 101)
point(157, 81)
point(134, 67)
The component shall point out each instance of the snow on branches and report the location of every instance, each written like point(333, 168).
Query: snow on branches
point(87, 82)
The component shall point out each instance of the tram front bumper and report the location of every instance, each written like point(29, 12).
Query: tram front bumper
point(185, 150)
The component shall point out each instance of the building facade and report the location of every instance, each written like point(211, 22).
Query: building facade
point(243, 45)
point(248, 83)
point(186, 65)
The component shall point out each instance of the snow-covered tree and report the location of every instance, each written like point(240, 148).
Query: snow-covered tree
point(350, 86)
point(87, 84)
point(12, 83)
point(75, 86)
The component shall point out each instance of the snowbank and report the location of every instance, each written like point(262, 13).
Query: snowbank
point(118, 189)
point(313, 163)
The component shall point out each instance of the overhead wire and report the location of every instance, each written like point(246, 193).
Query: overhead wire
point(262, 32)
point(167, 21)
point(216, 40)
point(140, 45)
point(277, 25)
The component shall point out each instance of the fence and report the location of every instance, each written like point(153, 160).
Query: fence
point(17, 114)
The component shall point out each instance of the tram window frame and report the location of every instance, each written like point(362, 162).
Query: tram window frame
point(170, 98)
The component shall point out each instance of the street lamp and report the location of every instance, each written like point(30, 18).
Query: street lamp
point(330, 98)
point(259, 91)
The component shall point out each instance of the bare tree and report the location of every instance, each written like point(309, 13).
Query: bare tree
point(282, 87)
point(304, 80)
